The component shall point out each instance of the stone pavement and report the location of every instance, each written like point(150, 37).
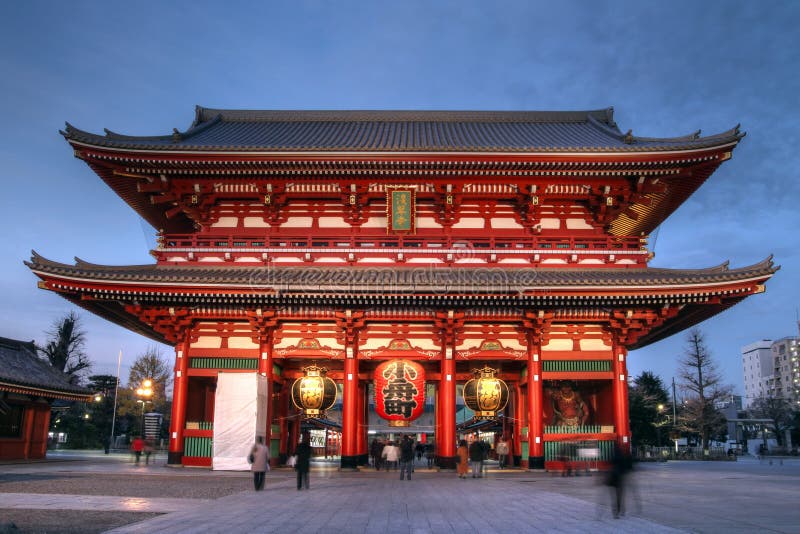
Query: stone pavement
point(381, 503)
point(730, 497)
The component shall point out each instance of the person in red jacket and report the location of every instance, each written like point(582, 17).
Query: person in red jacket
point(137, 447)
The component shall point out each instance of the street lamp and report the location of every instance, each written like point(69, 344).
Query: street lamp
point(144, 392)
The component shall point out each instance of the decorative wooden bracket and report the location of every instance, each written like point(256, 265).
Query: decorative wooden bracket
point(537, 326)
point(448, 198)
point(355, 197)
point(349, 323)
point(172, 323)
point(263, 323)
point(450, 325)
point(628, 326)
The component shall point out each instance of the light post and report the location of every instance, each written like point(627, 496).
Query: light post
point(144, 392)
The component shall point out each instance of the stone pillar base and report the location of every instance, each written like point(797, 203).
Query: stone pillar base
point(446, 462)
point(174, 458)
point(349, 462)
point(535, 462)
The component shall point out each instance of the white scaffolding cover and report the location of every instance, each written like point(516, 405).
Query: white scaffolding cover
point(240, 414)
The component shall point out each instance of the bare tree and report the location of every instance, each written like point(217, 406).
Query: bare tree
point(151, 365)
point(64, 347)
point(700, 377)
point(778, 409)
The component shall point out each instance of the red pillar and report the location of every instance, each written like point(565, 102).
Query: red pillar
point(350, 413)
point(519, 417)
point(265, 370)
point(180, 388)
point(535, 421)
point(363, 455)
point(446, 441)
point(620, 389)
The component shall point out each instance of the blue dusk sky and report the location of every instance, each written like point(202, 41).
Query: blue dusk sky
point(139, 68)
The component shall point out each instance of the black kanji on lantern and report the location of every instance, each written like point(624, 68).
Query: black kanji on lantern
point(399, 391)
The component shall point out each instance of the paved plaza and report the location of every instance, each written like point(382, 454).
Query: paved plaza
point(730, 497)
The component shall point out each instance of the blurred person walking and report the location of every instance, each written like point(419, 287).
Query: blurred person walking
point(502, 452)
point(621, 466)
point(390, 455)
point(463, 459)
point(259, 462)
point(137, 447)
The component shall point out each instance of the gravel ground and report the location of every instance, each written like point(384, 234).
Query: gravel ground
point(196, 486)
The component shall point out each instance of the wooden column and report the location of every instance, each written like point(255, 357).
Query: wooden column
point(28, 428)
point(537, 325)
point(263, 323)
point(350, 322)
point(620, 390)
point(265, 370)
point(535, 415)
point(350, 413)
point(180, 389)
point(519, 417)
point(446, 440)
point(449, 323)
point(363, 451)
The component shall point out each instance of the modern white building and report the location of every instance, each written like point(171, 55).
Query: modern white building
point(771, 369)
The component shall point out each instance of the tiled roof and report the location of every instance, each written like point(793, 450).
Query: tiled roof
point(398, 279)
point(22, 370)
point(402, 131)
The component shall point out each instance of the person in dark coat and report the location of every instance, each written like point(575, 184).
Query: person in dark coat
point(406, 457)
point(476, 458)
point(375, 450)
point(303, 463)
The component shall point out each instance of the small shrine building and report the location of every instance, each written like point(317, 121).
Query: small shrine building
point(405, 250)
point(28, 388)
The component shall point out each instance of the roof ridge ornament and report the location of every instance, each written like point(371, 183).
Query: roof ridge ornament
point(629, 137)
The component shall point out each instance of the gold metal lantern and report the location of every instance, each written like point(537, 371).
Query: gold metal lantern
point(314, 393)
point(485, 394)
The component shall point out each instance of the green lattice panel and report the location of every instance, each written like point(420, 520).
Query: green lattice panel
point(198, 447)
point(561, 429)
point(556, 450)
point(576, 366)
point(223, 363)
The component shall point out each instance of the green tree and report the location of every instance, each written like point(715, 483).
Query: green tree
point(64, 347)
point(102, 407)
point(647, 398)
point(702, 382)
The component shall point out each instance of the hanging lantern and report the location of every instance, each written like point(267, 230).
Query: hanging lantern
point(399, 391)
point(485, 394)
point(315, 392)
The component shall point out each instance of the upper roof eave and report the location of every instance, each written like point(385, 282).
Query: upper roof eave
point(200, 276)
point(445, 132)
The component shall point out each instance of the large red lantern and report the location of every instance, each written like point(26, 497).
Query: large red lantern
point(314, 393)
point(399, 391)
point(485, 394)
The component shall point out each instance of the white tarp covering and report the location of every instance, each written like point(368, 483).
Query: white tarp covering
point(240, 414)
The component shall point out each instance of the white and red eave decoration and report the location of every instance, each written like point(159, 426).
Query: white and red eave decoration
point(399, 391)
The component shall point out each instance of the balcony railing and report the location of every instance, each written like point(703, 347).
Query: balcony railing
point(594, 250)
